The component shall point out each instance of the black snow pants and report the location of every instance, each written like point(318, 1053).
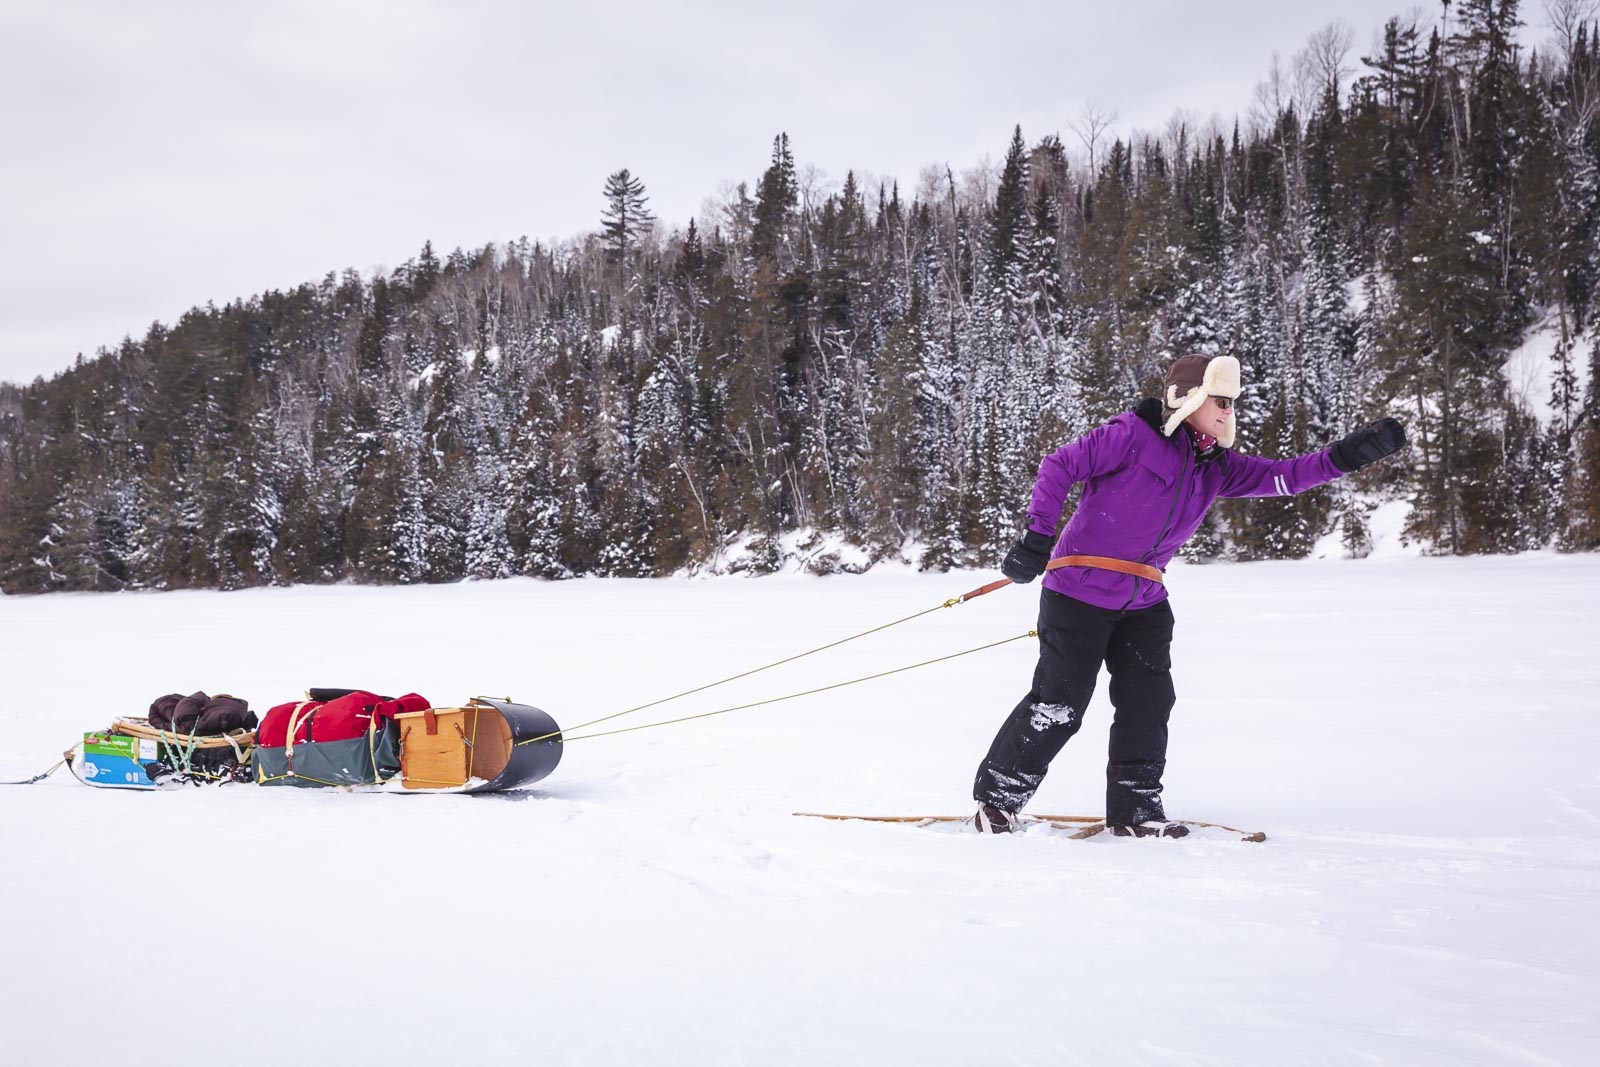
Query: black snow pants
point(1074, 639)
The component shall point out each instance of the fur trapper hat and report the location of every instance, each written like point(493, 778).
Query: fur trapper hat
point(1190, 380)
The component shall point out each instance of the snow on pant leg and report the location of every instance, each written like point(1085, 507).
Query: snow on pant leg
point(1072, 645)
point(1139, 657)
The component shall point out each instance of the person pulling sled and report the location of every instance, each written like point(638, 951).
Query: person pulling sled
point(1149, 476)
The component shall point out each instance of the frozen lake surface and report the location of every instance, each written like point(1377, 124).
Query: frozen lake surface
point(1419, 738)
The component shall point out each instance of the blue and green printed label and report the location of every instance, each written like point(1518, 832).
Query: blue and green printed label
point(116, 760)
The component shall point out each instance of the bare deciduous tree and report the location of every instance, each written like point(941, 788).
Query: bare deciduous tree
point(1270, 98)
point(815, 187)
point(1178, 138)
point(1093, 120)
point(1321, 66)
point(1565, 16)
point(977, 182)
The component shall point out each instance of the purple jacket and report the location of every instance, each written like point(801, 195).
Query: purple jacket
point(1144, 495)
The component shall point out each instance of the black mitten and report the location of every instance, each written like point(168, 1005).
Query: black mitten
point(1027, 558)
point(1368, 444)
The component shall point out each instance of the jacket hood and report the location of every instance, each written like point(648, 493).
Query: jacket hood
point(1149, 411)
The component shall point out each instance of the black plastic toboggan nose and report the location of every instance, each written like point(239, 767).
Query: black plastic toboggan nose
point(531, 762)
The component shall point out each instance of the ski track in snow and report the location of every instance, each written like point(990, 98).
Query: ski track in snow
point(1417, 737)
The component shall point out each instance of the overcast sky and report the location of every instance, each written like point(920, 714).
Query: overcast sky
point(154, 156)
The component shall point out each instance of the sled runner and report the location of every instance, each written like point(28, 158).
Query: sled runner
point(1083, 826)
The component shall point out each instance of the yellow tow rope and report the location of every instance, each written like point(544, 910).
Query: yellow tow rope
point(793, 696)
point(952, 602)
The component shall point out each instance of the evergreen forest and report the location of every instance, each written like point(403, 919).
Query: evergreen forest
point(1388, 230)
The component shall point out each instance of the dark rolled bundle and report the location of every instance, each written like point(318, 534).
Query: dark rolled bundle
point(199, 714)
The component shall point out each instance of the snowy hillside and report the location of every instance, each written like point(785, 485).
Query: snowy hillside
point(1417, 737)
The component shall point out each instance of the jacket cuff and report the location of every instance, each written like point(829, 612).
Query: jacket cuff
point(1030, 534)
point(1340, 463)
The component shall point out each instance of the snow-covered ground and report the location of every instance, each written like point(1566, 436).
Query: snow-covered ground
point(1418, 738)
point(1530, 369)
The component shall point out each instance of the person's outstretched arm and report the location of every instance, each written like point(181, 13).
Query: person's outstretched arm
point(1254, 476)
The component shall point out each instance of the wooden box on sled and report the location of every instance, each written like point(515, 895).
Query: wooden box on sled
point(487, 745)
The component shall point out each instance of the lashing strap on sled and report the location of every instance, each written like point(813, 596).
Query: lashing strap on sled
point(294, 725)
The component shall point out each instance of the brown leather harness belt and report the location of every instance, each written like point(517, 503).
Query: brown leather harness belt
point(1106, 563)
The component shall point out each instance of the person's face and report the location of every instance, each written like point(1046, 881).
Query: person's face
point(1212, 416)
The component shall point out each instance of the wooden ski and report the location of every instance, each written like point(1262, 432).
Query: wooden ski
point(1089, 825)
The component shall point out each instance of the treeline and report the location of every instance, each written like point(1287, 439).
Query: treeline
point(883, 364)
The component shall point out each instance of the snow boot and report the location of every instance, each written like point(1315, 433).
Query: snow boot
point(1153, 828)
point(993, 820)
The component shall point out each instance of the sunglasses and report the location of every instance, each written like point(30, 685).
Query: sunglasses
point(1224, 402)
